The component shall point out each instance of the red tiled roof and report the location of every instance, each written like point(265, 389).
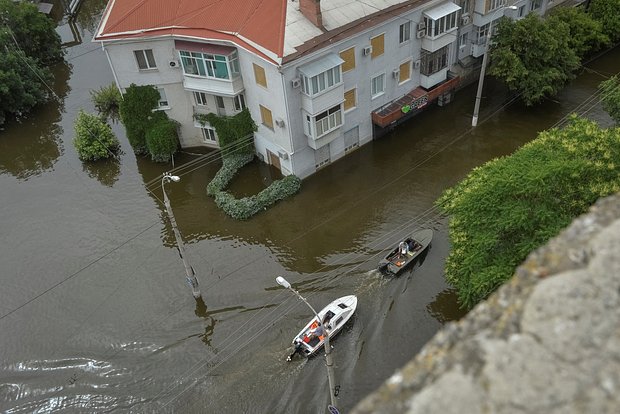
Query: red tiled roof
point(257, 21)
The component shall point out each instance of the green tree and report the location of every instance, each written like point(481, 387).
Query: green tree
point(533, 57)
point(586, 33)
point(31, 31)
point(162, 140)
point(510, 206)
point(107, 101)
point(232, 131)
point(94, 138)
point(138, 115)
point(608, 13)
point(22, 84)
point(610, 97)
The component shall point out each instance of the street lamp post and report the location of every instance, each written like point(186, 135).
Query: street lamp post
point(189, 271)
point(485, 57)
point(328, 352)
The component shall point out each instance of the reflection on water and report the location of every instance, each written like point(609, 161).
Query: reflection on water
point(104, 171)
point(442, 307)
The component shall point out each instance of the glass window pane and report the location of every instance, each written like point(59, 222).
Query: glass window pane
point(150, 58)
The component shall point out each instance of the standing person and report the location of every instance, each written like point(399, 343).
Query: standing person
point(297, 347)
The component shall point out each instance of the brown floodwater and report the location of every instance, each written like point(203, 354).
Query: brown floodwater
point(95, 314)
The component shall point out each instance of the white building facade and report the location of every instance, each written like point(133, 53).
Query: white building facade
point(327, 77)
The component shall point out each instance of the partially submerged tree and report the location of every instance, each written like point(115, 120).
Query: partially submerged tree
point(610, 97)
point(608, 13)
point(586, 33)
point(94, 138)
point(138, 115)
point(162, 140)
point(510, 206)
point(29, 45)
point(533, 57)
point(107, 101)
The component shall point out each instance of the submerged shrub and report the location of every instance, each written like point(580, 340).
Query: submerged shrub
point(94, 138)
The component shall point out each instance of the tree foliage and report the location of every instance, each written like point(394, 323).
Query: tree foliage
point(232, 131)
point(608, 13)
point(138, 115)
point(610, 98)
point(31, 31)
point(510, 206)
point(29, 44)
point(162, 140)
point(533, 57)
point(107, 101)
point(94, 138)
point(586, 33)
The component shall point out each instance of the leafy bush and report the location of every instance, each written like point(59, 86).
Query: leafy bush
point(246, 207)
point(512, 205)
point(230, 165)
point(162, 140)
point(94, 138)
point(107, 101)
point(136, 110)
point(233, 132)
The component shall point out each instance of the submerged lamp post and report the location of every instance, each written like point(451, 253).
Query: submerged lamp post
point(328, 357)
point(189, 271)
point(485, 57)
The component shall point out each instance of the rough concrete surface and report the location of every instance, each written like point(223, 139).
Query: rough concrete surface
point(548, 341)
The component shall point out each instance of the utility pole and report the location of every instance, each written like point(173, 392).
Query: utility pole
point(328, 349)
point(485, 57)
point(189, 271)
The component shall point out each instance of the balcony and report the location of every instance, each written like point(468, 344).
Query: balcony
point(412, 102)
point(479, 47)
point(214, 86)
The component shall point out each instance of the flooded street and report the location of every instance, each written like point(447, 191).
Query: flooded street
point(95, 312)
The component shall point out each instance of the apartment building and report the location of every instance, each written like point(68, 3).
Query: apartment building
point(319, 77)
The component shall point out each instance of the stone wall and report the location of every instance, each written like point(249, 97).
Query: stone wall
point(548, 341)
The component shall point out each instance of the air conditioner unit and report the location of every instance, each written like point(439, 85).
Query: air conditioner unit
point(296, 83)
point(280, 122)
point(465, 20)
point(174, 63)
point(421, 26)
point(396, 73)
point(417, 63)
point(421, 33)
point(367, 50)
point(283, 154)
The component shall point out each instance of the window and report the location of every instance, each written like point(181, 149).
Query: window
point(208, 135)
point(351, 139)
point(404, 72)
point(465, 6)
point(163, 102)
point(377, 46)
point(463, 40)
point(321, 82)
point(220, 102)
point(259, 75)
point(440, 26)
point(209, 65)
point(433, 62)
point(266, 117)
point(404, 32)
point(349, 99)
point(535, 5)
point(377, 85)
point(496, 4)
point(200, 98)
point(328, 121)
point(522, 11)
point(321, 156)
point(239, 102)
point(145, 59)
point(349, 59)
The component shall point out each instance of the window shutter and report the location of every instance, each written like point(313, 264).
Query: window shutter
point(266, 116)
point(405, 72)
point(349, 99)
point(349, 59)
point(259, 75)
point(377, 46)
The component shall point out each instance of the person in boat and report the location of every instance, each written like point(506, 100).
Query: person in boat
point(316, 331)
point(297, 347)
point(403, 248)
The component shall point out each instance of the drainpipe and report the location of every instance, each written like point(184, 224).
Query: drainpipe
point(118, 86)
point(288, 118)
